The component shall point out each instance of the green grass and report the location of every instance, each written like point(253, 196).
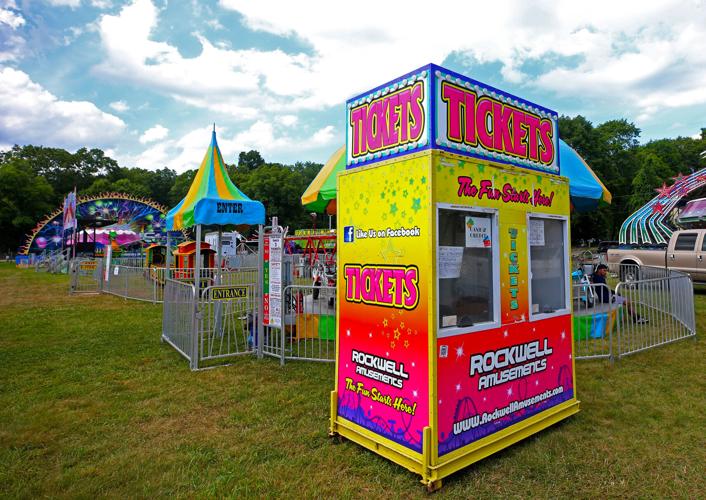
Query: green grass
point(91, 404)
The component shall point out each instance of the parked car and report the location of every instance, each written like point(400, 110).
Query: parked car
point(686, 252)
point(604, 246)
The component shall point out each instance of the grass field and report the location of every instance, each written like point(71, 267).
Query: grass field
point(91, 404)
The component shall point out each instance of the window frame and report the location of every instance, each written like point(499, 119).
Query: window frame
point(567, 284)
point(695, 245)
point(451, 331)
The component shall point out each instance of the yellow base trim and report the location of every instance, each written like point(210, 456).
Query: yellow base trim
point(333, 429)
point(431, 475)
point(478, 450)
point(400, 455)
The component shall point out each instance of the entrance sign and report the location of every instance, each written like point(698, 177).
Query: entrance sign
point(433, 107)
point(229, 292)
point(88, 265)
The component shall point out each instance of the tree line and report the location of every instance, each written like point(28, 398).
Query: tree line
point(35, 179)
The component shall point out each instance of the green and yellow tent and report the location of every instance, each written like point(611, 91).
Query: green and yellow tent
point(320, 196)
point(213, 199)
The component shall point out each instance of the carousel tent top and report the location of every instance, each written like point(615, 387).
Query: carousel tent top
point(213, 199)
point(586, 190)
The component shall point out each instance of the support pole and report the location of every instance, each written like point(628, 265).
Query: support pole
point(219, 254)
point(195, 333)
point(218, 308)
point(168, 258)
point(260, 288)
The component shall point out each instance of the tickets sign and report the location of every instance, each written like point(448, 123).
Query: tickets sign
point(433, 107)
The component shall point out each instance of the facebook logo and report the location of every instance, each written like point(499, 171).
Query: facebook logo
point(348, 235)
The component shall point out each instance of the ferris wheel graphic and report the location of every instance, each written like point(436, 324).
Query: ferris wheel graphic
point(351, 407)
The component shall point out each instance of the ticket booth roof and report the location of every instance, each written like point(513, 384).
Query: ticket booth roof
point(189, 247)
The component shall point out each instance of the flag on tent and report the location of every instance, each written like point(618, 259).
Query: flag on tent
point(70, 211)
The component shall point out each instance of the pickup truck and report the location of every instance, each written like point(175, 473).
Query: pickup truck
point(686, 252)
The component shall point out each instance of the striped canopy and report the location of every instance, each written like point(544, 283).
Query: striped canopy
point(213, 199)
point(585, 188)
point(320, 196)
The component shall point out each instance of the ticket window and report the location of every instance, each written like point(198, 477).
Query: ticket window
point(549, 271)
point(467, 270)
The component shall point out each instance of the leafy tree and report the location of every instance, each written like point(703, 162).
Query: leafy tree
point(181, 185)
point(160, 183)
point(580, 134)
point(63, 170)
point(279, 188)
point(250, 161)
point(98, 186)
point(646, 180)
point(132, 188)
point(25, 198)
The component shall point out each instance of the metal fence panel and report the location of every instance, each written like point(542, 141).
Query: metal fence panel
point(86, 275)
point(657, 311)
point(308, 325)
point(594, 322)
point(220, 323)
point(178, 316)
point(137, 283)
point(227, 320)
point(628, 273)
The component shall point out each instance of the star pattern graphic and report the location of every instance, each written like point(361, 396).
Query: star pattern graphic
point(664, 190)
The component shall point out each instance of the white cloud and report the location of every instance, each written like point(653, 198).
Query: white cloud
point(11, 19)
point(156, 133)
point(65, 3)
point(624, 50)
point(187, 151)
point(11, 46)
point(29, 114)
point(119, 106)
point(617, 50)
point(230, 78)
point(288, 120)
point(324, 136)
point(215, 24)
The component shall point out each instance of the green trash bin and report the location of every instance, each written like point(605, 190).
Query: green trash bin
point(582, 327)
point(327, 327)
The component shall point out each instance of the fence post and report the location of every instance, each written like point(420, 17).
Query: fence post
point(261, 280)
point(283, 327)
point(197, 294)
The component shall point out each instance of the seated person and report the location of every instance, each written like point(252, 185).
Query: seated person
point(605, 295)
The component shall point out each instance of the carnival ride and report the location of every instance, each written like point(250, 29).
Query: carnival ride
point(102, 220)
point(654, 222)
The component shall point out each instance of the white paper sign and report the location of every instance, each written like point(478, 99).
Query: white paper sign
point(536, 232)
point(478, 231)
point(450, 262)
point(275, 280)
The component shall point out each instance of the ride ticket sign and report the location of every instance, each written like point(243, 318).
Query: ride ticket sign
point(433, 107)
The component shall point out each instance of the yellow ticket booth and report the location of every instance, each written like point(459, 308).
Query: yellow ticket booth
point(454, 334)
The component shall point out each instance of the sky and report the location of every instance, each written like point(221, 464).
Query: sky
point(145, 80)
